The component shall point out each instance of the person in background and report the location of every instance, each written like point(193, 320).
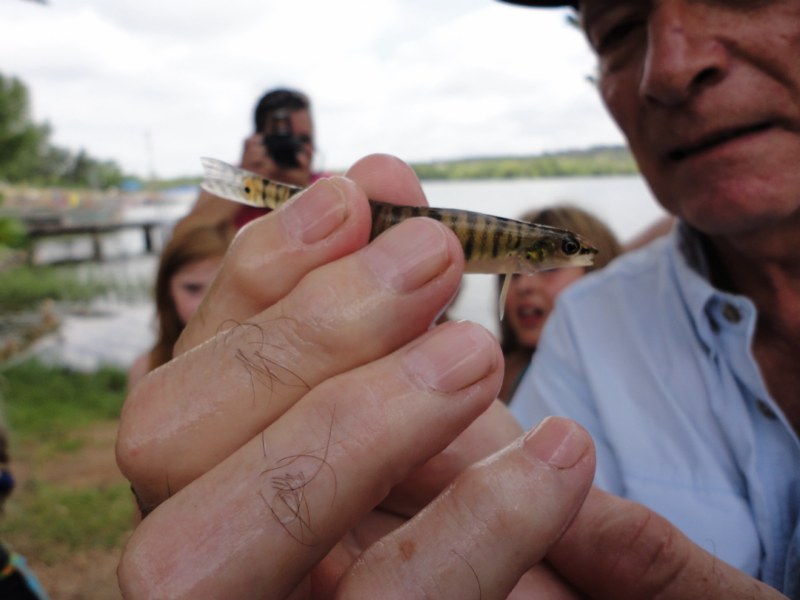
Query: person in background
point(17, 580)
point(187, 266)
point(281, 149)
point(531, 298)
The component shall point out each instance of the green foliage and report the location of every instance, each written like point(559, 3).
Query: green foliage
point(25, 287)
point(12, 233)
point(21, 141)
point(27, 156)
point(50, 402)
point(84, 170)
point(595, 161)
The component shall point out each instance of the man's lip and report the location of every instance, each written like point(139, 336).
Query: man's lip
point(715, 139)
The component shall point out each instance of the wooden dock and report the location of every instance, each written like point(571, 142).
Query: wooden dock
point(41, 229)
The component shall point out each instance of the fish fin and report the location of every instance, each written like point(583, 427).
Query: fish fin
point(225, 181)
point(501, 303)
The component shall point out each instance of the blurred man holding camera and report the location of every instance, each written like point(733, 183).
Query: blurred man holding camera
point(280, 149)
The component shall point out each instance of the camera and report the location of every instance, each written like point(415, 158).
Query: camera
point(282, 145)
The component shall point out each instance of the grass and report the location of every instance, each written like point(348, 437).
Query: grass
point(49, 411)
point(54, 520)
point(46, 403)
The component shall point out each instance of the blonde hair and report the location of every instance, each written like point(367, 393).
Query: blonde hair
point(585, 224)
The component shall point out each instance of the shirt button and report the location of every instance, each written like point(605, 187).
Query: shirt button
point(766, 410)
point(731, 313)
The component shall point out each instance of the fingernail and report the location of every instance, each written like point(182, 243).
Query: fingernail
point(316, 213)
point(409, 255)
point(453, 356)
point(558, 442)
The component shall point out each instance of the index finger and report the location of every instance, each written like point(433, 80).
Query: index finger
point(272, 254)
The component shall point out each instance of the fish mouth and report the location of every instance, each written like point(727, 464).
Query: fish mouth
point(716, 139)
point(584, 259)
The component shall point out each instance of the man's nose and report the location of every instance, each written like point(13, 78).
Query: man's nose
point(683, 52)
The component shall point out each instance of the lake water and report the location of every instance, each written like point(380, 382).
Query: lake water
point(117, 329)
point(624, 203)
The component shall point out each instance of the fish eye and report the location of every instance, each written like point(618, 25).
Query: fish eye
point(570, 246)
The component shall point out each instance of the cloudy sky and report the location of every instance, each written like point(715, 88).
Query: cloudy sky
point(155, 84)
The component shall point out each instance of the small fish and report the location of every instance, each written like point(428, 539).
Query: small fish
point(491, 244)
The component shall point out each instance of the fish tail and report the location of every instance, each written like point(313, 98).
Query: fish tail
point(223, 180)
point(232, 183)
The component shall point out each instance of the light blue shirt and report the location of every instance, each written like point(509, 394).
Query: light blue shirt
point(657, 364)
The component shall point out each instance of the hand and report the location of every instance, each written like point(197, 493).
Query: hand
point(255, 158)
point(312, 387)
point(308, 385)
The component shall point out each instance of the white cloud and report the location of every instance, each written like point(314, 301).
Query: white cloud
point(421, 79)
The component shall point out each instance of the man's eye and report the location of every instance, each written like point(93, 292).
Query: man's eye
point(616, 35)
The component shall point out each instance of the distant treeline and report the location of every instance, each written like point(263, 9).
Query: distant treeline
point(26, 155)
point(601, 160)
point(605, 160)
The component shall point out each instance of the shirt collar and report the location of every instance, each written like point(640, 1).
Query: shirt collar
point(711, 309)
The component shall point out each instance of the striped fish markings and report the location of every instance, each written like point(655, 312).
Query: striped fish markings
point(491, 244)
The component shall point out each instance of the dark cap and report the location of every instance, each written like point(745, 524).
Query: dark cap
point(544, 3)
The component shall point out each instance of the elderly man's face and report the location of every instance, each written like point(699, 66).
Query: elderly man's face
point(708, 94)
